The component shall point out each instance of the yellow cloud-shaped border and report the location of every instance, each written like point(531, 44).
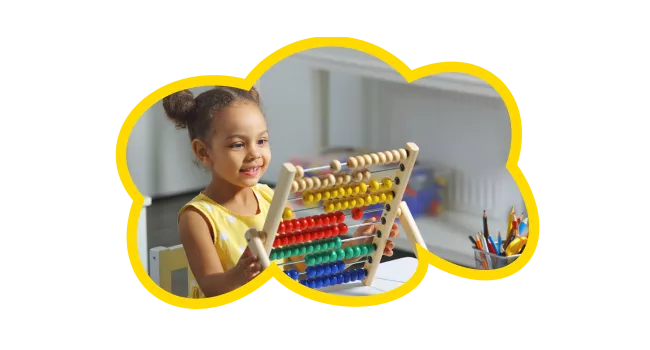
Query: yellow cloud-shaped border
point(425, 257)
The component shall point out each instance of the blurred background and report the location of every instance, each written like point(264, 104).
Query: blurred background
point(328, 101)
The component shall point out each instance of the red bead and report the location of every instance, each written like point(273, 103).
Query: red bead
point(281, 228)
point(343, 229)
point(292, 239)
point(288, 226)
point(296, 224)
point(357, 214)
point(311, 222)
point(319, 222)
point(304, 224)
point(284, 241)
point(307, 236)
point(341, 216)
point(335, 231)
point(326, 221)
point(300, 238)
point(276, 242)
point(328, 233)
point(333, 218)
point(321, 234)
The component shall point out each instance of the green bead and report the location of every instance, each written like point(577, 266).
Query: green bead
point(273, 255)
point(310, 248)
point(317, 259)
point(331, 244)
point(295, 251)
point(357, 251)
point(317, 247)
point(325, 257)
point(303, 249)
point(333, 255)
point(287, 252)
point(337, 242)
point(309, 260)
point(280, 254)
point(364, 250)
point(340, 254)
point(349, 252)
point(371, 248)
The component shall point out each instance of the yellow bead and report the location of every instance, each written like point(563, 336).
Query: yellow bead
point(341, 192)
point(337, 205)
point(287, 214)
point(317, 196)
point(368, 199)
point(360, 202)
point(382, 197)
point(389, 196)
point(329, 207)
point(387, 183)
point(374, 185)
point(310, 198)
point(348, 192)
point(355, 190)
point(325, 195)
point(375, 199)
point(345, 204)
point(352, 203)
point(363, 187)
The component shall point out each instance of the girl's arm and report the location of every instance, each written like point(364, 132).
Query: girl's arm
point(203, 258)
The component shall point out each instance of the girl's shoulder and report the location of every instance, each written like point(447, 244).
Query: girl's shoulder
point(265, 190)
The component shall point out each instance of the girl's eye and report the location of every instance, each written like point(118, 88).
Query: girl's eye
point(237, 145)
point(261, 142)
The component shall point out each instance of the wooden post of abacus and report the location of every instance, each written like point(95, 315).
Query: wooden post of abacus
point(278, 203)
point(410, 228)
point(402, 175)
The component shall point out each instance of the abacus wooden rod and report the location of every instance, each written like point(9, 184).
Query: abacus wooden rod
point(411, 229)
point(257, 247)
point(278, 203)
point(388, 217)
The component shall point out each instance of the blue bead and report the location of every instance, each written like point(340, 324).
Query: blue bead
point(362, 274)
point(327, 269)
point(341, 266)
point(335, 267)
point(312, 284)
point(303, 282)
point(353, 275)
point(294, 274)
point(339, 278)
point(311, 272)
point(346, 277)
point(326, 281)
point(320, 271)
point(319, 283)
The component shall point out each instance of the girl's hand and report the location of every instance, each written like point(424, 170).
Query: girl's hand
point(371, 229)
point(247, 267)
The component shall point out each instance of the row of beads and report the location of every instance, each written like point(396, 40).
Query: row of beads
point(339, 278)
point(327, 181)
point(305, 248)
point(379, 158)
point(309, 222)
point(310, 235)
point(345, 191)
point(325, 269)
point(357, 201)
point(340, 254)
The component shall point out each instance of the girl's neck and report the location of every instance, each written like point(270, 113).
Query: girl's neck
point(240, 200)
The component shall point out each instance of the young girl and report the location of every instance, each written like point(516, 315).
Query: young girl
point(229, 136)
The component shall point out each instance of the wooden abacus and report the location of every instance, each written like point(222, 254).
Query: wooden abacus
point(317, 238)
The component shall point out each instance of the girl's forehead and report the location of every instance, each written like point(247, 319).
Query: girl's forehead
point(244, 119)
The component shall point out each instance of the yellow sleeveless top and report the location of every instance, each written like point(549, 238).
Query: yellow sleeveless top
point(229, 228)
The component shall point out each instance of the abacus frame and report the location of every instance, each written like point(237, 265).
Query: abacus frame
point(261, 242)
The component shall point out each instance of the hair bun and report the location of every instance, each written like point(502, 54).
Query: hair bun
point(180, 107)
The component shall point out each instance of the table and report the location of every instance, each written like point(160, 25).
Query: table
point(390, 275)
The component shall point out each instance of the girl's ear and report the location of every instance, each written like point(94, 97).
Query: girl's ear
point(201, 152)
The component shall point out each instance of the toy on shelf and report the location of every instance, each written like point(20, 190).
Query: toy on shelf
point(340, 193)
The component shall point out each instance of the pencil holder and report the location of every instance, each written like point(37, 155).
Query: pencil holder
point(489, 261)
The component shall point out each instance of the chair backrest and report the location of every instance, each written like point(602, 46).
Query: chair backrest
point(163, 261)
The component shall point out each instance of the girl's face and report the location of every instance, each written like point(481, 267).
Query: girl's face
point(239, 150)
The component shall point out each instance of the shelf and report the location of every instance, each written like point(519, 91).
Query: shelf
point(359, 63)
